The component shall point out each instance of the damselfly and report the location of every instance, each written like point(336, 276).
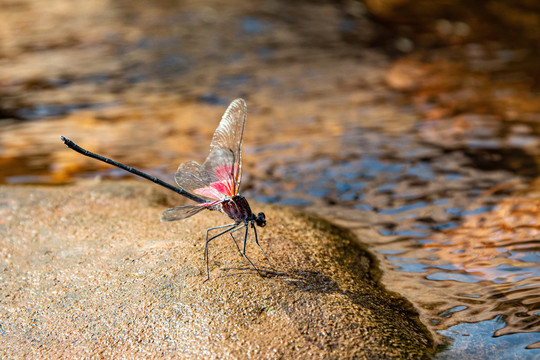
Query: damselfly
point(214, 184)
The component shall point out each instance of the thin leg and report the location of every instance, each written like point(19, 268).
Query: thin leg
point(230, 227)
point(218, 227)
point(234, 239)
point(245, 240)
point(244, 252)
point(257, 242)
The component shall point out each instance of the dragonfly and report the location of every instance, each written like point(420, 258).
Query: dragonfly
point(214, 185)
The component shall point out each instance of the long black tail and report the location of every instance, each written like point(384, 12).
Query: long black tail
point(70, 144)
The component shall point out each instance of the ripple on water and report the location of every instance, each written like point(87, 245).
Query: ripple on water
point(451, 233)
point(466, 337)
point(466, 255)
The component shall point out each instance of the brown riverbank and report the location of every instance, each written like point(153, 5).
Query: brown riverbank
point(89, 270)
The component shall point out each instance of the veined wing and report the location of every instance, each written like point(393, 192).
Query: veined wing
point(181, 212)
point(228, 135)
point(219, 172)
point(191, 177)
point(220, 175)
point(213, 180)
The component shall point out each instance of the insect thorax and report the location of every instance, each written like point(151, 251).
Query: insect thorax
point(237, 208)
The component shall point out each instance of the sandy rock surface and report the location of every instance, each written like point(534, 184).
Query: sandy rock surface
point(88, 270)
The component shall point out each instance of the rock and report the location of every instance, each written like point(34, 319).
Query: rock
point(88, 270)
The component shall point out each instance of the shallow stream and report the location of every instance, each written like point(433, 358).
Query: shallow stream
point(438, 150)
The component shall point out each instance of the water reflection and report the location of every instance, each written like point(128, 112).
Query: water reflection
point(445, 170)
point(449, 227)
point(466, 337)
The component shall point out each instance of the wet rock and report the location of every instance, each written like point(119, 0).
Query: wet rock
point(89, 269)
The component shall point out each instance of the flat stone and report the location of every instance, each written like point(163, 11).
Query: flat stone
point(88, 270)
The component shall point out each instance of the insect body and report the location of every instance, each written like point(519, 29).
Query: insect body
point(214, 185)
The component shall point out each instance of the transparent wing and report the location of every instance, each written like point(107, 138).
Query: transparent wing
point(190, 177)
point(219, 172)
point(220, 175)
point(228, 135)
point(181, 212)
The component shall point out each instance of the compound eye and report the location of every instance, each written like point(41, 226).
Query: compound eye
point(261, 220)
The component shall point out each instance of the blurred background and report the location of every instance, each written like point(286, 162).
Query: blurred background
point(418, 119)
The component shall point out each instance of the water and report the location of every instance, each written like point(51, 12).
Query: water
point(466, 337)
point(439, 158)
point(461, 242)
